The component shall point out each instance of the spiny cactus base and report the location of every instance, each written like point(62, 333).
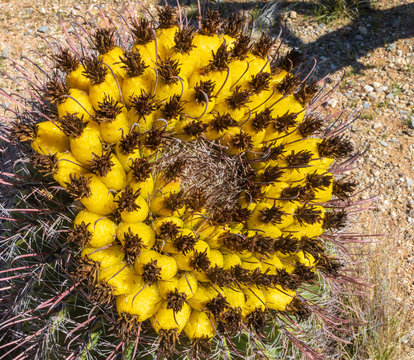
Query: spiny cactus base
point(170, 193)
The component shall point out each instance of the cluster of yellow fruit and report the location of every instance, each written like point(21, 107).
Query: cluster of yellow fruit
point(139, 137)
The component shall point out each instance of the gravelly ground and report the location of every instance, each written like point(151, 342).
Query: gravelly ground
point(374, 53)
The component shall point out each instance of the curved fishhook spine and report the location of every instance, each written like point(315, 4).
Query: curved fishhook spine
point(241, 77)
point(68, 38)
point(79, 38)
point(206, 107)
point(34, 64)
point(103, 16)
point(77, 101)
point(117, 83)
point(225, 81)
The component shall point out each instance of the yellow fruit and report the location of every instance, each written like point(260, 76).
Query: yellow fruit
point(102, 230)
point(77, 104)
point(77, 79)
point(278, 298)
point(145, 187)
point(119, 277)
point(88, 143)
point(162, 225)
point(234, 297)
point(134, 85)
point(185, 283)
point(267, 216)
point(267, 219)
point(201, 297)
point(50, 139)
point(105, 84)
point(167, 200)
point(230, 260)
point(112, 128)
point(67, 166)
point(127, 150)
point(165, 39)
point(200, 325)
point(251, 263)
point(106, 257)
point(92, 193)
point(255, 300)
point(167, 264)
point(167, 319)
point(216, 259)
point(132, 206)
point(186, 261)
point(141, 230)
point(272, 264)
point(109, 170)
point(141, 300)
point(168, 245)
point(113, 59)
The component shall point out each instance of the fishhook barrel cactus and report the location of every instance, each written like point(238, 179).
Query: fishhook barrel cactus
point(170, 192)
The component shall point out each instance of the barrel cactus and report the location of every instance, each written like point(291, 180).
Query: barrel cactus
point(171, 191)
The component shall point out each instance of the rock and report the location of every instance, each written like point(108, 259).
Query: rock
point(293, 14)
point(373, 96)
point(363, 30)
point(376, 85)
point(43, 29)
point(377, 125)
point(332, 102)
point(368, 88)
point(390, 96)
point(43, 10)
point(4, 53)
point(347, 30)
point(409, 182)
point(349, 94)
point(391, 47)
point(366, 105)
point(411, 123)
point(383, 143)
point(359, 37)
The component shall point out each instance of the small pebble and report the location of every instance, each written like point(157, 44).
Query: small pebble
point(391, 47)
point(409, 182)
point(43, 29)
point(363, 30)
point(383, 143)
point(332, 102)
point(293, 14)
point(4, 53)
point(368, 88)
point(411, 124)
point(366, 105)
